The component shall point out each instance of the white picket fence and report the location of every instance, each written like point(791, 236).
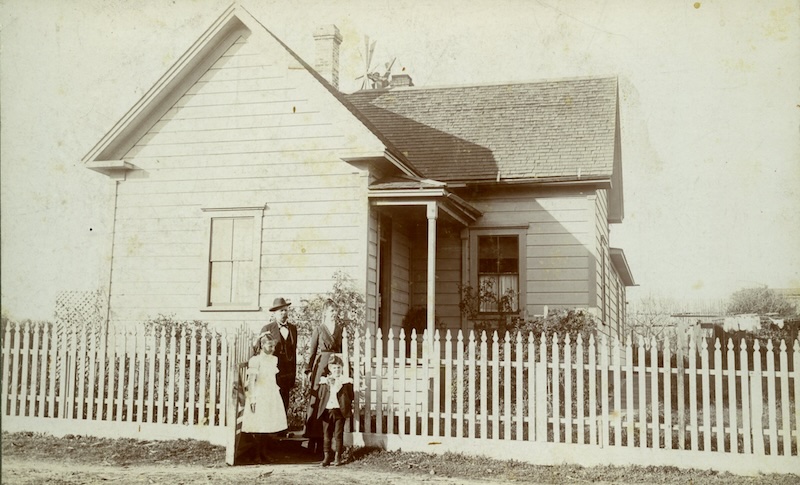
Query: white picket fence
point(148, 384)
point(560, 400)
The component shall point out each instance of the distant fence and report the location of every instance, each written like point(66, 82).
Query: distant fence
point(147, 383)
point(552, 400)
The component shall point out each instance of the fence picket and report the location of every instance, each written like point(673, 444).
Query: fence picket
point(24, 358)
point(214, 395)
point(667, 363)
point(617, 390)
point(390, 381)
point(358, 385)
point(448, 383)
point(745, 384)
point(482, 386)
point(152, 351)
point(555, 390)
point(202, 397)
point(642, 375)
point(403, 367)
point(757, 402)
point(693, 423)
point(130, 355)
point(141, 361)
point(71, 365)
point(786, 425)
point(45, 352)
point(368, 360)
point(121, 372)
point(718, 397)
point(182, 379)
point(706, 392)
point(378, 381)
point(592, 371)
point(532, 396)
point(567, 389)
point(733, 425)
point(6, 366)
point(629, 407)
point(771, 403)
point(80, 366)
point(101, 373)
point(472, 404)
point(113, 376)
point(654, 411)
point(507, 387)
point(541, 392)
point(604, 397)
point(681, 391)
point(796, 367)
point(520, 364)
point(91, 398)
point(172, 374)
point(224, 387)
point(460, 384)
point(192, 377)
point(580, 417)
point(436, 367)
point(34, 389)
point(495, 385)
point(415, 429)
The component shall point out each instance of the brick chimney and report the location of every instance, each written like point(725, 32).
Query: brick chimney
point(327, 39)
point(401, 81)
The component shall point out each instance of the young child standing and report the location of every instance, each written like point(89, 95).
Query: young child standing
point(335, 394)
point(264, 412)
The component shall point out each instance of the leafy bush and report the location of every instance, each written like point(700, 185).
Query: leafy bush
point(351, 314)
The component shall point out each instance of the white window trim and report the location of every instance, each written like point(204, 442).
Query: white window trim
point(521, 233)
point(258, 218)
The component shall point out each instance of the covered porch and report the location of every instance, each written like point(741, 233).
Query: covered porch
point(419, 254)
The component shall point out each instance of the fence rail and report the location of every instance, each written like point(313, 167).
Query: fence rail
point(610, 394)
point(164, 377)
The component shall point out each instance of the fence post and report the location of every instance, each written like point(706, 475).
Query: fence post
point(6, 360)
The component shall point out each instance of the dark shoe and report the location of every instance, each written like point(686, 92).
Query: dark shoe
point(338, 461)
point(327, 460)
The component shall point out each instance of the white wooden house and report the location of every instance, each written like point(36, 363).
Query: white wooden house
point(245, 174)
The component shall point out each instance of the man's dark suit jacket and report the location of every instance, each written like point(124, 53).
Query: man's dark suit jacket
point(286, 352)
point(345, 397)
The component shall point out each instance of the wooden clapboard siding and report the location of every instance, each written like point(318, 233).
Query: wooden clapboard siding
point(401, 298)
point(448, 272)
point(558, 242)
point(253, 131)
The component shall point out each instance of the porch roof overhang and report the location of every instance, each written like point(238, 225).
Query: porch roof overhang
point(423, 193)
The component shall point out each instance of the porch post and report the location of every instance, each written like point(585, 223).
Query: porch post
point(433, 214)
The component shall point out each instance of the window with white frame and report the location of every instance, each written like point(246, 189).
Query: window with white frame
point(499, 259)
point(234, 259)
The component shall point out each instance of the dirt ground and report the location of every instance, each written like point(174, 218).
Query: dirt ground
point(37, 458)
point(29, 472)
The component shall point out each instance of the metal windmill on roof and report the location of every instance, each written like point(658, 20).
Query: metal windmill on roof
point(372, 79)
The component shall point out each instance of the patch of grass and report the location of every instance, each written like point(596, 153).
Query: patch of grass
point(121, 452)
point(458, 465)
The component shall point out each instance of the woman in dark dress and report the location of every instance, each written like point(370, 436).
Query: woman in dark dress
point(326, 340)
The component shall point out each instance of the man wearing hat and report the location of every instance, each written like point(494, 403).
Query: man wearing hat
point(285, 337)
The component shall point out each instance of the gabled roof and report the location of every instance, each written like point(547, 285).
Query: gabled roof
point(233, 23)
point(563, 129)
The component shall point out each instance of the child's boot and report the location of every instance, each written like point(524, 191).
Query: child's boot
point(327, 460)
point(338, 461)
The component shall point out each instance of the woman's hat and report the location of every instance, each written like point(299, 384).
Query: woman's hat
point(279, 303)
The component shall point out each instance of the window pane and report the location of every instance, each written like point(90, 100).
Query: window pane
point(221, 239)
point(244, 282)
point(488, 290)
point(242, 239)
point(220, 292)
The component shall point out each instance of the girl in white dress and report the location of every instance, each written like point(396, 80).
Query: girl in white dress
point(264, 412)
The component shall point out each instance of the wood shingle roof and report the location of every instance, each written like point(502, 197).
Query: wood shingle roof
point(548, 130)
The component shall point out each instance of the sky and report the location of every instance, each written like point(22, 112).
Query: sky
point(709, 107)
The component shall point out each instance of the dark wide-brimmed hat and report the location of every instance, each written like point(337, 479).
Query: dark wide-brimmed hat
point(279, 303)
